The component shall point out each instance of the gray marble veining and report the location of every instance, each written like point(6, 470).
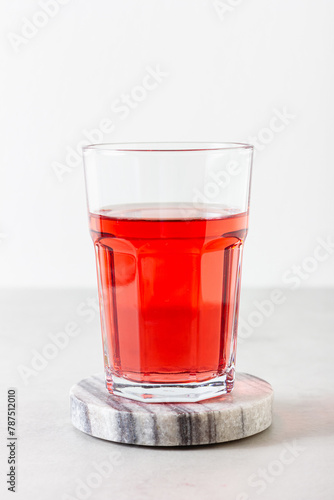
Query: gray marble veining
point(242, 413)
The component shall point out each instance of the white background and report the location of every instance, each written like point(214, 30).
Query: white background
point(228, 69)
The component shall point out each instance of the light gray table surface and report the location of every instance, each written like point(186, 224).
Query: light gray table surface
point(292, 348)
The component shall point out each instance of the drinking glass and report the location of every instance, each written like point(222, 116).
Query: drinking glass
point(168, 222)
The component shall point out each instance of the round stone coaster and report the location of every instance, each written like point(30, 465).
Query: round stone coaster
point(247, 410)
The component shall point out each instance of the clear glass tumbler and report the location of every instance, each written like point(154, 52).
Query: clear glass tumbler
point(168, 221)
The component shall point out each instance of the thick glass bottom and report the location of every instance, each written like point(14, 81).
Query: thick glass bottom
point(170, 393)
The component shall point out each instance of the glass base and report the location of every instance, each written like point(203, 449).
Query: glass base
point(171, 393)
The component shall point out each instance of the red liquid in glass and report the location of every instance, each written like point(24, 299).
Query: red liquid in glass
point(169, 282)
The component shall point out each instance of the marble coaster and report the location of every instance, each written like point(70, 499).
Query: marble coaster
point(242, 413)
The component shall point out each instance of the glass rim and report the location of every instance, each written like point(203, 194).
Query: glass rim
point(166, 147)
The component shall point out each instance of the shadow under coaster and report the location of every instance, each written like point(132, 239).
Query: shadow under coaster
point(247, 410)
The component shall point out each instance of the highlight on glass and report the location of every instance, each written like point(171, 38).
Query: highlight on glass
point(168, 222)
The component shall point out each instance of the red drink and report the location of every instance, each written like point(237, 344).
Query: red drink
point(169, 283)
